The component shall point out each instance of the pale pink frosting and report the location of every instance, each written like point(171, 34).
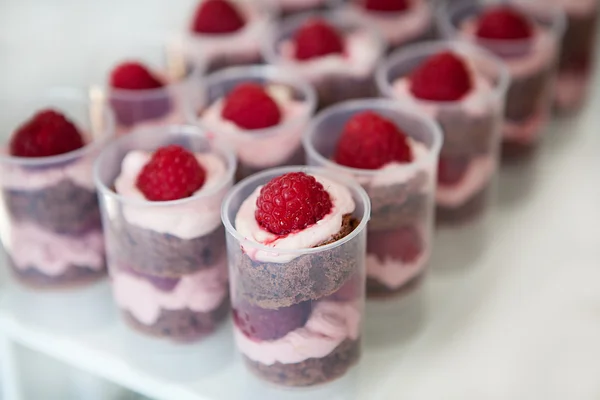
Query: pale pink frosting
point(362, 53)
point(323, 230)
point(262, 150)
point(480, 171)
point(78, 171)
point(579, 7)
point(329, 324)
point(541, 54)
point(570, 89)
point(50, 253)
point(393, 273)
point(399, 27)
point(203, 291)
point(244, 43)
point(187, 220)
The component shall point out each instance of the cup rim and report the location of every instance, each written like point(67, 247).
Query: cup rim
point(445, 13)
point(432, 47)
point(267, 72)
point(186, 130)
point(72, 94)
point(374, 104)
point(336, 17)
point(351, 184)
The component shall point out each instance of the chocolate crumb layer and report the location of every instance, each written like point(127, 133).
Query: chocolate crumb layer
point(470, 135)
point(181, 325)
point(335, 89)
point(74, 276)
point(526, 94)
point(578, 41)
point(467, 212)
point(308, 277)
point(64, 208)
point(377, 290)
point(310, 372)
point(232, 60)
point(163, 254)
point(515, 152)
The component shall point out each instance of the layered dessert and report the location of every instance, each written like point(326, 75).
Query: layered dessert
point(337, 57)
point(398, 173)
point(142, 98)
point(577, 54)
point(452, 88)
point(262, 121)
point(53, 235)
point(224, 33)
point(401, 22)
point(530, 50)
point(291, 7)
point(298, 309)
point(166, 243)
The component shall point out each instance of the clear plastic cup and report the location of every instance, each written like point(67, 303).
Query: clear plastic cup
point(50, 219)
point(167, 259)
point(532, 64)
point(295, 7)
point(472, 126)
point(138, 109)
point(298, 312)
point(218, 51)
point(261, 148)
point(399, 28)
point(399, 240)
point(335, 77)
point(576, 65)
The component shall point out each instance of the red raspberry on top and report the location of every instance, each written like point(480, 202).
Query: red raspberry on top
point(172, 173)
point(133, 75)
point(504, 23)
point(217, 17)
point(370, 141)
point(316, 38)
point(386, 5)
point(249, 106)
point(442, 77)
point(291, 202)
point(47, 133)
point(451, 170)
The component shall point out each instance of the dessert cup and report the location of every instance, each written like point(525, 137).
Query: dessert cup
point(576, 64)
point(167, 259)
point(471, 125)
point(257, 149)
point(51, 227)
point(138, 109)
point(298, 312)
point(532, 64)
point(402, 195)
point(398, 28)
point(217, 51)
point(335, 77)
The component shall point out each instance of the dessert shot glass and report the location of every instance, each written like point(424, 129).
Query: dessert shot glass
point(143, 108)
point(50, 219)
point(167, 259)
point(532, 63)
point(214, 51)
point(298, 312)
point(335, 77)
point(257, 149)
point(471, 125)
point(576, 65)
point(399, 240)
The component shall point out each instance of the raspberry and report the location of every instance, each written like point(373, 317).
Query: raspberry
point(503, 22)
point(133, 75)
point(370, 141)
point(263, 324)
point(291, 202)
point(249, 106)
point(404, 244)
point(442, 77)
point(172, 173)
point(386, 5)
point(316, 38)
point(451, 170)
point(48, 133)
point(217, 17)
